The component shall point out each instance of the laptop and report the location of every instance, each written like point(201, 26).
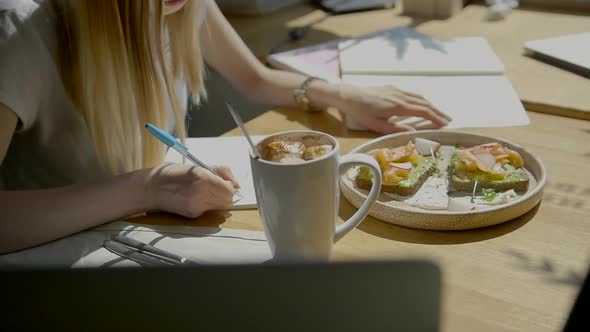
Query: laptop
point(368, 296)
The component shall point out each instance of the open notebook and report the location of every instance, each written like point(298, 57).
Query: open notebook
point(461, 76)
point(225, 151)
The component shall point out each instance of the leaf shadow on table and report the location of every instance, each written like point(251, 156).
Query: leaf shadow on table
point(547, 268)
point(413, 235)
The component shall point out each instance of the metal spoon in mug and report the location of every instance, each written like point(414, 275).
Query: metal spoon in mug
point(240, 124)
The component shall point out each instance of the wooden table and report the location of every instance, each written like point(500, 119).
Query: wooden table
point(541, 87)
point(522, 275)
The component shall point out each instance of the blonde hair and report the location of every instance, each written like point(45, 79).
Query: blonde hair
point(119, 73)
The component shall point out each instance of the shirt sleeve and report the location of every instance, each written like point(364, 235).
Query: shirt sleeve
point(21, 61)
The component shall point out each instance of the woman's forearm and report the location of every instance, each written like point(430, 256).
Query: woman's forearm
point(226, 52)
point(276, 88)
point(29, 218)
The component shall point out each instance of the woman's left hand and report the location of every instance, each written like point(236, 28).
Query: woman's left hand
point(373, 106)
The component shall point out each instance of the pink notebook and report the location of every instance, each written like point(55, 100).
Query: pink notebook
point(318, 60)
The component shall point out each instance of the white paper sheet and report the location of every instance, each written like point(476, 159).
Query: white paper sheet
point(472, 101)
point(404, 51)
point(225, 151)
point(204, 245)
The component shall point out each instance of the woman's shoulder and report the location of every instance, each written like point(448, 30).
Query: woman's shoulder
point(18, 5)
point(21, 18)
point(27, 45)
point(16, 13)
point(26, 32)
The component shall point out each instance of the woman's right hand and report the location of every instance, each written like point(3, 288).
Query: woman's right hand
point(374, 106)
point(189, 190)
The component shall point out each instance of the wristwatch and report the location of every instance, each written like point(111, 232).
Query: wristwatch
point(301, 97)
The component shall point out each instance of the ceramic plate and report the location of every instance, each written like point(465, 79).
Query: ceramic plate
point(400, 213)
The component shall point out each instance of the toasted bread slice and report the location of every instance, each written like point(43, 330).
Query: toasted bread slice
point(406, 187)
point(518, 180)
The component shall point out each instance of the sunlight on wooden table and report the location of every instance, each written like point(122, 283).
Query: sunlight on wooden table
point(522, 275)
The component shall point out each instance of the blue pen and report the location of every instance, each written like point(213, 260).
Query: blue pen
point(174, 143)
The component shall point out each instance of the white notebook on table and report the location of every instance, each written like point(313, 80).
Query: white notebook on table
point(227, 151)
point(472, 101)
point(404, 51)
point(570, 49)
point(463, 77)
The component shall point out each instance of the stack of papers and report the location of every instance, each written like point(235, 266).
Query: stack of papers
point(463, 77)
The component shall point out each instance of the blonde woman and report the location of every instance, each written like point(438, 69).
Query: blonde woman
point(79, 78)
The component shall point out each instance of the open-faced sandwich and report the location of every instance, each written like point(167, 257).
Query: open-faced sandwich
point(404, 168)
point(428, 175)
point(492, 165)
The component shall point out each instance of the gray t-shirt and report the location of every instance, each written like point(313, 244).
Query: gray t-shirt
point(52, 146)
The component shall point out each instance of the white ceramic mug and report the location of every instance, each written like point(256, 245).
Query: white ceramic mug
point(298, 203)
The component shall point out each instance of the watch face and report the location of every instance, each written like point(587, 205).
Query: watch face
point(299, 92)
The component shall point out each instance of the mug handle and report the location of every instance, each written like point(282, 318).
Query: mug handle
point(358, 159)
